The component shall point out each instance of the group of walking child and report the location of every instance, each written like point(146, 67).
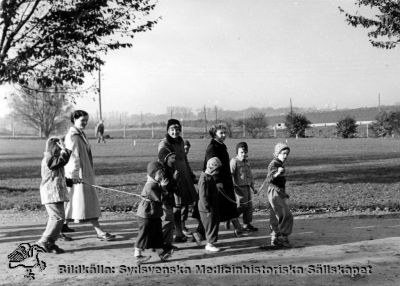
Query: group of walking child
point(225, 191)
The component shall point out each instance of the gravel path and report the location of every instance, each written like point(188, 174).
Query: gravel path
point(330, 249)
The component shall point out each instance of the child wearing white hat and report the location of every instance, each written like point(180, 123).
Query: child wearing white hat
point(281, 218)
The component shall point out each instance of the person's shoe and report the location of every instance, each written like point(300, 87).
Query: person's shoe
point(197, 238)
point(142, 259)
point(187, 232)
point(166, 254)
point(66, 228)
point(211, 248)
point(275, 241)
point(137, 251)
point(170, 246)
point(180, 239)
point(250, 228)
point(106, 236)
point(55, 249)
point(46, 246)
point(65, 237)
point(285, 242)
point(240, 233)
point(228, 224)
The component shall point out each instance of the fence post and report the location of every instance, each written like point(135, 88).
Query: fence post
point(13, 127)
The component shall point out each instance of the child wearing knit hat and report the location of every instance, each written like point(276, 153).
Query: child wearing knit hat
point(208, 203)
point(53, 192)
point(167, 158)
point(149, 215)
point(281, 218)
point(187, 194)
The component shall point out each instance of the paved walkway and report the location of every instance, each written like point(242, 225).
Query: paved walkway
point(346, 250)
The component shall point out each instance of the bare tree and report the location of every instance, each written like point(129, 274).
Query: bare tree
point(254, 124)
point(44, 110)
point(180, 112)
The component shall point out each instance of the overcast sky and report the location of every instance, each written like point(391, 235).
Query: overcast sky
point(238, 54)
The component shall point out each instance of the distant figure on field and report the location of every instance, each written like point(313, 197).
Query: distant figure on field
point(99, 131)
point(186, 146)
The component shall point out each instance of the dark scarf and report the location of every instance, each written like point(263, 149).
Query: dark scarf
point(173, 140)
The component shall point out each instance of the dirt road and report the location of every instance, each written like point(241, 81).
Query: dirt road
point(328, 250)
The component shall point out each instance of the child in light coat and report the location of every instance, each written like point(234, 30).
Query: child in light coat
point(281, 218)
point(243, 184)
point(53, 192)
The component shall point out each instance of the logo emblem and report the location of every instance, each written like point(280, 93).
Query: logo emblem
point(27, 256)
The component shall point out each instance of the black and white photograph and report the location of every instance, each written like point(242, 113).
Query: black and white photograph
point(199, 142)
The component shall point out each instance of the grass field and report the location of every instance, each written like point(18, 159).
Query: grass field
point(323, 174)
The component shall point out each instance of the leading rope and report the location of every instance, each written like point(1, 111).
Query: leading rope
point(145, 199)
point(115, 190)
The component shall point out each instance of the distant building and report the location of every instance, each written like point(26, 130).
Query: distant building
point(279, 126)
point(322, 124)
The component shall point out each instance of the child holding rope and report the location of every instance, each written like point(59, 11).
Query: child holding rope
point(281, 219)
point(53, 192)
point(208, 203)
point(243, 185)
point(149, 215)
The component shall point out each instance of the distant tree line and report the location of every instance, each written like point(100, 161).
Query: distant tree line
point(47, 109)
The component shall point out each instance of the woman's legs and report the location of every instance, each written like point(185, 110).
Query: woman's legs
point(236, 224)
point(101, 234)
point(96, 225)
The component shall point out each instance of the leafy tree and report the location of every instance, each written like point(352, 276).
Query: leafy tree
point(296, 124)
point(346, 127)
point(44, 110)
point(57, 42)
point(387, 123)
point(254, 124)
point(384, 26)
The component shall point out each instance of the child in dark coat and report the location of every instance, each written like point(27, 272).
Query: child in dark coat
point(167, 158)
point(208, 203)
point(149, 215)
point(53, 192)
